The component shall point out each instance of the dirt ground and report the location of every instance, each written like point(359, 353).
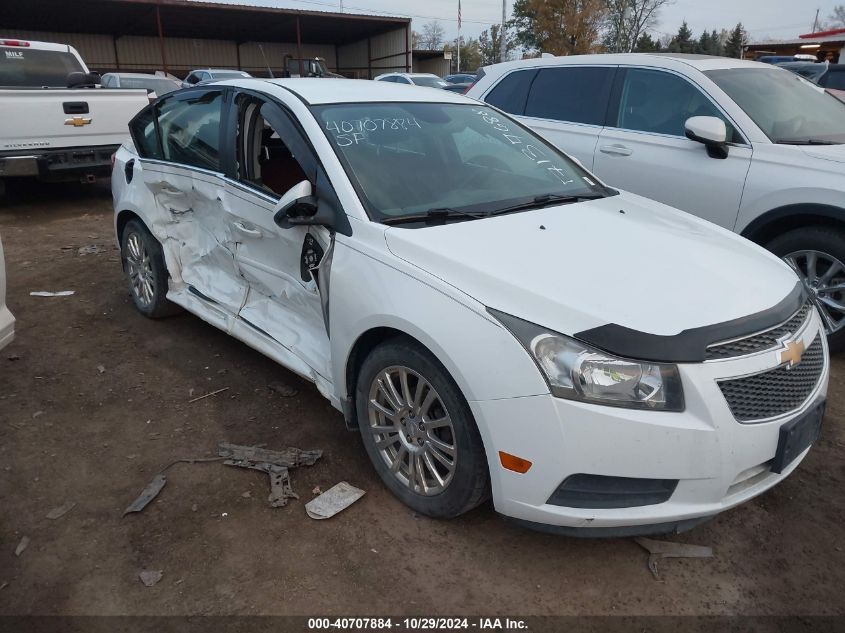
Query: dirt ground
point(94, 402)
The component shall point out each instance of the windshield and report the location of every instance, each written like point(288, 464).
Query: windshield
point(23, 67)
point(159, 86)
point(786, 107)
point(429, 82)
point(409, 158)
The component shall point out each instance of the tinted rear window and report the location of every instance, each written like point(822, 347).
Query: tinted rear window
point(576, 94)
point(27, 68)
point(835, 80)
point(511, 92)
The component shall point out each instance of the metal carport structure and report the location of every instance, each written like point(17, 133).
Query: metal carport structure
point(178, 35)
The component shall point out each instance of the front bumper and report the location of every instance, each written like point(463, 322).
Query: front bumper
point(719, 463)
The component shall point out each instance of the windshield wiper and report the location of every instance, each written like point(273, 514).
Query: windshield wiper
point(546, 199)
point(807, 141)
point(440, 214)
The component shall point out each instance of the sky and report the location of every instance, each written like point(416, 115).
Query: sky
point(763, 19)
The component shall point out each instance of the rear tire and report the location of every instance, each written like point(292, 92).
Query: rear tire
point(415, 426)
point(146, 272)
point(817, 254)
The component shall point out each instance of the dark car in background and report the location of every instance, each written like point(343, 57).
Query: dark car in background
point(829, 76)
point(460, 78)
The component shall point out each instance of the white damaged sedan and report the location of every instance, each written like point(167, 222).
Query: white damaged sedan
point(491, 317)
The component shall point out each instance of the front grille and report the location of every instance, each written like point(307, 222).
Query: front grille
point(759, 342)
point(777, 391)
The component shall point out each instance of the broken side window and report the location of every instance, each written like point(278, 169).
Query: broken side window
point(265, 159)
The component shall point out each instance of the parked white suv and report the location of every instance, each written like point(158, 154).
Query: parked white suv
point(749, 146)
point(485, 311)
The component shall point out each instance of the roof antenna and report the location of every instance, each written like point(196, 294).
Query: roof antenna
point(266, 63)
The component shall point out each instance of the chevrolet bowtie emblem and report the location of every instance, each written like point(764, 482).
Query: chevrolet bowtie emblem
point(791, 353)
point(78, 121)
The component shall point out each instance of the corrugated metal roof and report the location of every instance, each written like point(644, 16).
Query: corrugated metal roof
point(201, 19)
point(312, 6)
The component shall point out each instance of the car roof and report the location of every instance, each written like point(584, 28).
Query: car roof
point(316, 91)
point(657, 60)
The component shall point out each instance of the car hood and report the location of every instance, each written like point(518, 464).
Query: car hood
point(835, 153)
point(621, 260)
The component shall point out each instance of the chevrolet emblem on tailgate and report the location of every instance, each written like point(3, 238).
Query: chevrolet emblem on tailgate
point(791, 353)
point(78, 121)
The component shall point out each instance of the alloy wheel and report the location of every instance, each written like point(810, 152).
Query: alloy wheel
point(140, 270)
point(824, 278)
point(412, 430)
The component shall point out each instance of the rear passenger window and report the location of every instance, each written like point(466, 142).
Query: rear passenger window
point(511, 92)
point(574, 94)
point(144, 134)
point(190, 129)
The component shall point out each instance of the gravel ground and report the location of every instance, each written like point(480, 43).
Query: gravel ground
point(95, 401)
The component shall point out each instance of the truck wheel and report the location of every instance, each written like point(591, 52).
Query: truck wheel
point(817, 254)
point(419, 431)
point(143, 263)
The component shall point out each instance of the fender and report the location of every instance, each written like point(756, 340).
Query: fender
point(766, 226)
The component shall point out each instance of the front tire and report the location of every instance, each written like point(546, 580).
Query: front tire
point(146, 272)
point(817, 255)
point(419, 431)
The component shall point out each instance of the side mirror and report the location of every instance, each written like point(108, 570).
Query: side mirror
point(79, 79)
point(711, 131)
point(298, 207)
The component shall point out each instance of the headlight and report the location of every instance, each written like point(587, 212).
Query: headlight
point(577, 371)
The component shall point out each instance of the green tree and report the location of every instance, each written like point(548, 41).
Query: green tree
point(682, 42)
point(736, 42)
point(470, 53)
point(489, 45)
point(646, 44)
point(716, 43)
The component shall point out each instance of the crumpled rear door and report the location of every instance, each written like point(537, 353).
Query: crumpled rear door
point(199, 238)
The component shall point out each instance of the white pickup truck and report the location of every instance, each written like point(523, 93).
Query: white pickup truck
point(56, 124)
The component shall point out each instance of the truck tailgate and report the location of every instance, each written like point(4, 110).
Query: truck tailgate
point(52, 118)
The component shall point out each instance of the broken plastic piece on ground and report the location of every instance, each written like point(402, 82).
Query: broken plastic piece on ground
point(335, 499)
point(274, 463)
point(666, 549)
point(149, 578)
point(148, 494)
point(44, 293)
point(22, 546)
point(62, 510)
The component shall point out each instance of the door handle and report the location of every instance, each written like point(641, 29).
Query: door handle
point(241, 228)
point(616, 150)
point(172, 192)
